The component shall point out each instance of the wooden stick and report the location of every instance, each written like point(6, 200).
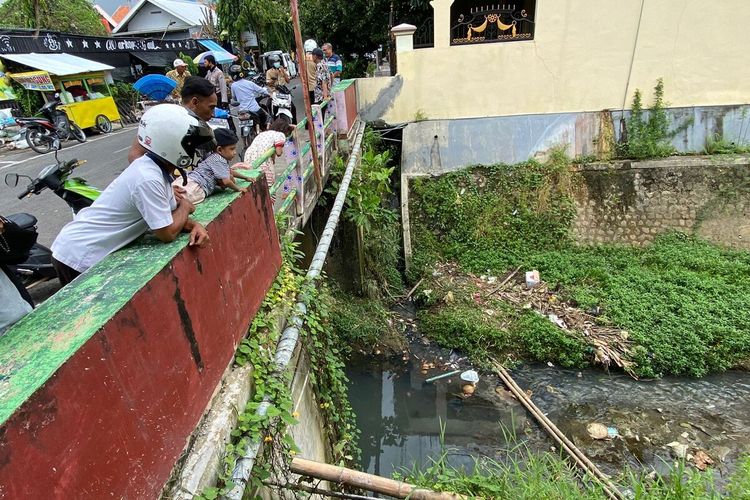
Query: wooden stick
point(364, 481)
point(505, 282)
point(408, 295)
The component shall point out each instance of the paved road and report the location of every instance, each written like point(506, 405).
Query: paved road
point(106, 157)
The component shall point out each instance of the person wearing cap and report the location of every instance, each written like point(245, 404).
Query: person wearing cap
point(214, 171)
point(179, 74)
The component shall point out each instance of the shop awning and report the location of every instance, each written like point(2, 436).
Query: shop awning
point(156, 59)
point(221, 55)
point(57, 64)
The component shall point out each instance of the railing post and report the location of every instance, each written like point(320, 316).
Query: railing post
point(299, 173)
point(404, 34)
point(442, 27)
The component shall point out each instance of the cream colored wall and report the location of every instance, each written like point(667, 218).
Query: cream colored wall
point(580, 61)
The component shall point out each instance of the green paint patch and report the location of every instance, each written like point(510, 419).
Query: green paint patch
point(33, 349)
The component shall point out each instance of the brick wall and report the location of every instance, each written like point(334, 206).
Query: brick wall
point(633, 202)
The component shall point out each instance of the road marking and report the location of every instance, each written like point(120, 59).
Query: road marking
point(121, 150)
point(63, 150)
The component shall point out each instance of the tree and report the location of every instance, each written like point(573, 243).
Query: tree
point(269, 19)
point(357, 27)
point(68, 16)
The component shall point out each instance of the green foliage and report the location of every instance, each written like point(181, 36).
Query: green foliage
point(367, 206)
point(356, 27)
point(79, 16)
point(269, 19)
point(521, 474)
point(683, 301)
point(124, 94)
point(648, 136)
point(328, 378)
point(358, 323)
point(490, 217)
point(192, 67)
point(29, 100)
point(507, 334)
point(718, 145)
point(524, 474)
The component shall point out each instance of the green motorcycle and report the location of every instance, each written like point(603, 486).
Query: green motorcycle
point(75, 191)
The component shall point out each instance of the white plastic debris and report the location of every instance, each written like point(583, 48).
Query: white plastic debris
point(532, 279)
point(470, 376)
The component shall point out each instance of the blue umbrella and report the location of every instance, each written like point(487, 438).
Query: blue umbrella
point(156, 87)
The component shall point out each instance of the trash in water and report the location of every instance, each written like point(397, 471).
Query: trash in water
point(612, 433)
point(678, 449)
point(597, 431)
point(532, 279)
point(702, 460)
point(470, 376)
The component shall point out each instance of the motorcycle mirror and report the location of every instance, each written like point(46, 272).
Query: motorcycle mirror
point(235, 103)
point(11, 180)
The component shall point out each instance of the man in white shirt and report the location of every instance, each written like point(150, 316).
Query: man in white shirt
point(141, 198)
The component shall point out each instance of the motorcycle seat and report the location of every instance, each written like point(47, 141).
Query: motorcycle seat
point(23, 220)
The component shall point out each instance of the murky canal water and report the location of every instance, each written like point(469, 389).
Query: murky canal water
point(400, 415)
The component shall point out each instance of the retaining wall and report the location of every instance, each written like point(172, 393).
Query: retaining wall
point(102, 386)
point(633, 202)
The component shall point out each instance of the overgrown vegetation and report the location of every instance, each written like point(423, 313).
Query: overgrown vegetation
point(523, 474)
point(647, 132)
point(718, 145)
point(76, 17)
point(682, 301)
point(327, 379)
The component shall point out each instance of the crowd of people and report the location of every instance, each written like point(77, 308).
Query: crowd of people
point(172, 138)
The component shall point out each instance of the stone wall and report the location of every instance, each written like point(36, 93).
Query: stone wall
point(633, 202)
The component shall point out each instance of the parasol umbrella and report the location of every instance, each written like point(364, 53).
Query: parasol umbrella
point(156, 87)
point(221, 56)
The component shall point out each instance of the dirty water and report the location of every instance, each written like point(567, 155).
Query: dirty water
point(653, 422)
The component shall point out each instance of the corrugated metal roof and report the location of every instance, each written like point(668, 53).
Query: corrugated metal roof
point(57, 64)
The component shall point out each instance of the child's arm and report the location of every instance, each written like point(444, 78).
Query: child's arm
point(244, 177)
point(230, 184)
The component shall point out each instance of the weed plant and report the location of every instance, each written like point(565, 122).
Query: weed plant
point(683, 301)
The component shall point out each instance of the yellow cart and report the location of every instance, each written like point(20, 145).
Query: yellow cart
point(87, 100)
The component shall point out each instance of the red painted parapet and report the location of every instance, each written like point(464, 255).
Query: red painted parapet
point(345, 97)
point(112, 420)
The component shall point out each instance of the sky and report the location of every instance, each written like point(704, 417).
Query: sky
point(110, 6)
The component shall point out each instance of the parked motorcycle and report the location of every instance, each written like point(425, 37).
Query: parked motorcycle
point(76, 192)
point(48, 132)
point(39, 264)
point(245, 123)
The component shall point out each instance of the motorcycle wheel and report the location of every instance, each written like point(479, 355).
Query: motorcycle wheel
point(77, 132)
point(39, 142)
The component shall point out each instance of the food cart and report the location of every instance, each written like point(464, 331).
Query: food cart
point(82, 85)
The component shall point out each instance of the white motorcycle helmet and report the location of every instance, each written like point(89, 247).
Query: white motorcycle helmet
point(174, 134)
point(310, 45)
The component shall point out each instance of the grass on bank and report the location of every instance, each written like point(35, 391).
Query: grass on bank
point(684, 301)
point(523, 474)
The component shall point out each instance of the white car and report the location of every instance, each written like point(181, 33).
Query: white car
point(286, 60)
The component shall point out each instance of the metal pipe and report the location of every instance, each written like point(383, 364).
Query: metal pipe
point(444, 375)
point(289, 337)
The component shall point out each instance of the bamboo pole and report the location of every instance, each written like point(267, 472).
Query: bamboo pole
point(576, 454)
point(364, 481)
point(306, 94)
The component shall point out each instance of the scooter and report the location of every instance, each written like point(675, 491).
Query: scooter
point(47, 133)
point(76, 192)
point(281, 103)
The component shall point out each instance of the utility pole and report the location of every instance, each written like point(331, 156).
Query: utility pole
point(306, 94)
